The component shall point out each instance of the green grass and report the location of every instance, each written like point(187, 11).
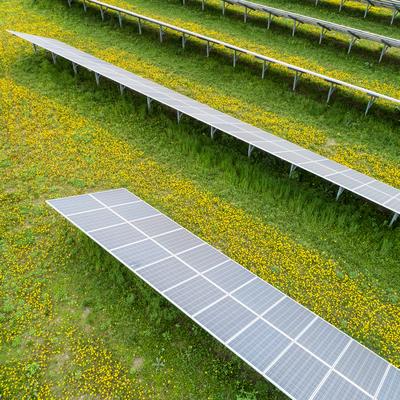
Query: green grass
point(104, 299)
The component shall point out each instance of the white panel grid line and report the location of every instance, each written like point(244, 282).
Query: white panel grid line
point(84, 212)
point(331, 369)
point(143, 240)
point(382, 382)
point(198, 274)
point(226, 127)
point(243, 305)
point(255, 320)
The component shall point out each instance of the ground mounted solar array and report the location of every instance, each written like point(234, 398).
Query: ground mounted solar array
point(364, 186)
point(266, 61)
point(300, 353)
point(325, 26)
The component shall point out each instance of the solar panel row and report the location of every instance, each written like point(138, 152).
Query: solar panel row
point(324, 26)
point(266, 61)
point(300, 353)
point(392, 5)
point(362, 185)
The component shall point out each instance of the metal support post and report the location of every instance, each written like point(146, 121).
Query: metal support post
point(371, 101)
point(161, 33)
point(202, 5)
point(245, 14)
point(394, 219)
point(269, 20)
point(213, 130)
point(102, 13)
point(223, 7)
point(84, 6)
point(234, 58)
point(34, 48)
point(332, 88)
point(367, 9)
point(292, 169)
point(121, 88)
point(341, 5)
point(352, 41)
point(75, 68)
point(295, 25)
point(70, 3)
point(208, 48)
point(139, 26)
point(316, 2)
point(383, 52)
point(395, 13)
point(322, 34)
point(296, 79)
point(97, 77)
point(120, 19)
point(149, 101)
point(54, 57)
point(264, 68)
point(178, 116)
point(339, 192)
point(250, 150)
point(183, 40)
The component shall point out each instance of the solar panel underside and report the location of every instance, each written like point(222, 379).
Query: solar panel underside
point(360, 184)
point(300, 353)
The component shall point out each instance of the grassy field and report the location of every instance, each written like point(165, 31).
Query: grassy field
point(76, 324)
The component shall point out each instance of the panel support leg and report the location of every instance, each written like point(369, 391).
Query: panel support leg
point(371, 101)
point(352, 41)
point(394, 219)
point(332, 88)
point(75, 68)
point(269, 20)
point(97, 77)
point(265, 66)
point(223, 7)
point(161, 33)
point(70, 3)
point(213, 130)
point(367, 9)
point(322, 34)
point(139, 26)
point(234, 58)
point(120, 19)
point(84, 6)
point(295, 25)
point(202, 5)
point(339, 192)
point(183, 40)
point(121, 89)
point(34, 48)
point(178, 116)
point(296, 80)
point(149, 101)
point(102, 13)
point(383, 52)
point(341, 5)
point(245, 15)
point(54, 57)
point(292, 169)
point(250, 150)
point(395, 13)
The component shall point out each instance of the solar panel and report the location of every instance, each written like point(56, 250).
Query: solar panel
point(392, 5)
point(333, 83)
point(364, 186)
point(325, 26)
point(300, 353)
